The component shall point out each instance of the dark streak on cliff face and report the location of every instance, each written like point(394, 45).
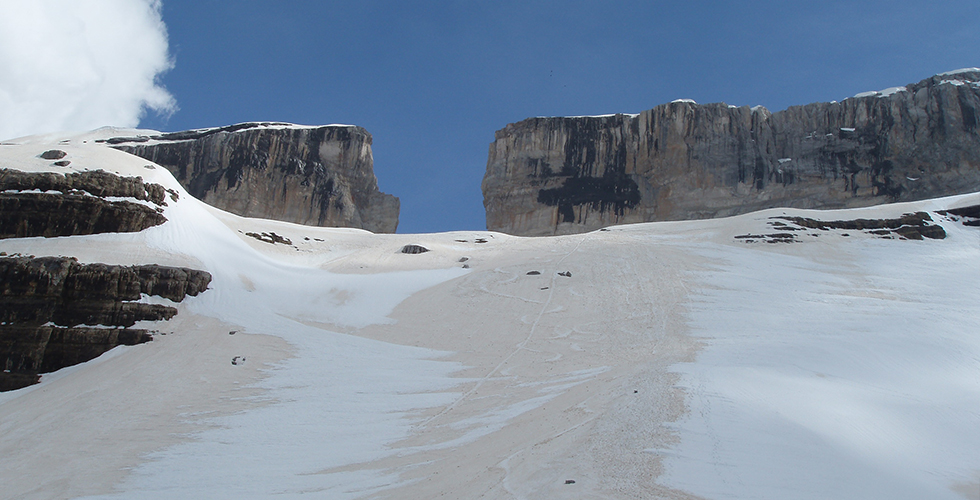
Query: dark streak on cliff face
point(610, 189)
point(43, 300)
point(689, 161)
point(309, 175)
point(607, 193)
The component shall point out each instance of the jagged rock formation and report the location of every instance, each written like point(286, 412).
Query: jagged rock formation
point(43, 300)
point(688, 161)
point(322, 176)
point(51, 204)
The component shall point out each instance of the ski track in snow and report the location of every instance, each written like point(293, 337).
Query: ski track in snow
point(522, 345)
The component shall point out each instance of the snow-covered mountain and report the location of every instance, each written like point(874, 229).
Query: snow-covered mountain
point(779, 354)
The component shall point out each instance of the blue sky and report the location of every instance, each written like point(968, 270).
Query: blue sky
point(432, 81)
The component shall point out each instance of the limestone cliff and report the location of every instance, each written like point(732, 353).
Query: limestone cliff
point(688, 161)
point(322, 176)
point(44, 300)
point(50, 204)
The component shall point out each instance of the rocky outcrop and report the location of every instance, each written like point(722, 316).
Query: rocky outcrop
point(911, 226)
point(44, 300)
point(688, 161)
point(52, 204)
point(969, 216)
point(30, 351)
point(322, 176)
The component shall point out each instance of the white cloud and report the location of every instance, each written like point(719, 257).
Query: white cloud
point(80, 64)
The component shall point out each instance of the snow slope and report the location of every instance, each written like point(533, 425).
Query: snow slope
point(674, 361)
point(847, 370)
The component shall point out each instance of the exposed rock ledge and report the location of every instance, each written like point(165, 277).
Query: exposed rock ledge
point(43, 300)
point(321, 176)
point(688, 161)
point(51, 204)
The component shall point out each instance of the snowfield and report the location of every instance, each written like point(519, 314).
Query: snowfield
point(663, 360)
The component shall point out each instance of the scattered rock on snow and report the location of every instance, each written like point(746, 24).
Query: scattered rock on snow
point(768, 238)
point(912, 226)
point(969, 216)
point(414, 249)
point(270, 237)
point(53, 154)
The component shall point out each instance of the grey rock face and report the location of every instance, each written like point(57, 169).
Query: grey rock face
point(28, 351)
point(44, 300)
point(321, 176)
point(689, 161)
point(74, 204)
point(35, 291)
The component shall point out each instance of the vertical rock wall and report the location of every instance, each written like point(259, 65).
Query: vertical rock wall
point(688, 161)
point(320, 176)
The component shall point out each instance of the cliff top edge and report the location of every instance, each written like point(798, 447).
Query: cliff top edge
point(963, 76)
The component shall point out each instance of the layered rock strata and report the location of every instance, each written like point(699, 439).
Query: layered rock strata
point(44, 300)
point(321, 176)
point(688, 161)
point(52, 204)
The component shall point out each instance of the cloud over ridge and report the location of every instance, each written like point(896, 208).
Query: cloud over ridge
point(81, 64)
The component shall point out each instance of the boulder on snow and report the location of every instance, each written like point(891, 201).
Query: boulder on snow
point(53, 154)
point(414, 249)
